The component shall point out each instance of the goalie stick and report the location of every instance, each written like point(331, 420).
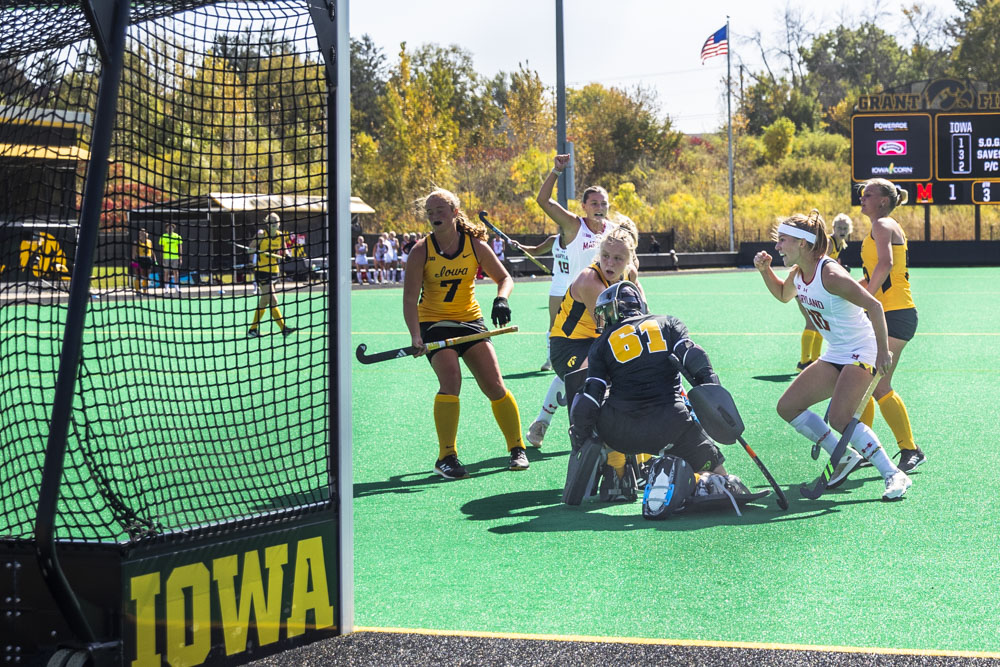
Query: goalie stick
point(437, 345)
point(496, 230)
point(819, 486)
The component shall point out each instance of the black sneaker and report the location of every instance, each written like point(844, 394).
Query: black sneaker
point(910, 459)
point(801, 366)
point(253, 333)
point(450, 468)
point(288, 331)
point(518, 459)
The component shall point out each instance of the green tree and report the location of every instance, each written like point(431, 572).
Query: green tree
point(977, 50)
point(777, 139)
point(617, 134)
point(419, 140)
point(368, 79)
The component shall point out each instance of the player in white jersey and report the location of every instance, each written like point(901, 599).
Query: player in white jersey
point(560, 276)
point(857, 346)
point(581, 236)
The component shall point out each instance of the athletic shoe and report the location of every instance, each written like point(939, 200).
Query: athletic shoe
point(896, 486)
point(253, 333)
point(450, 468)
point(536, 433)
point(848, 464)
point(547, 366)
point(801, 366)
point(518, 459)
point(910, 459)
point(288, 331)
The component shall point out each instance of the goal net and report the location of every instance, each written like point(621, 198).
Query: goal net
point(202, 390)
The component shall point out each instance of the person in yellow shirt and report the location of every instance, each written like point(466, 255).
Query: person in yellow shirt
point(142, 255)
point(171, 249)
point(884, 259)
point(270, 250)
point(439, 302)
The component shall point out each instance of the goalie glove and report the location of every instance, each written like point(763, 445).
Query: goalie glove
point(501, 312)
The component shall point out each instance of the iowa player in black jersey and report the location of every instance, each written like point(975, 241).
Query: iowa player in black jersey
point(644, 411)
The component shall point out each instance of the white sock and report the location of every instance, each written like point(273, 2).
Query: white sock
point(812, 426)
point(865, 441)
point(550, 405)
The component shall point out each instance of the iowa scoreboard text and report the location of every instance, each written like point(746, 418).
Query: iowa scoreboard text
point(940, 157)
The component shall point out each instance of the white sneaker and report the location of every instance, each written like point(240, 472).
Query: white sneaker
point(896, 485)
point(547, 366)
point(848, 463)
point(536, 433)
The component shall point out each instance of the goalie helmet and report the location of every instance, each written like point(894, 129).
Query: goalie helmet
point(618, 302)
point(668, 487)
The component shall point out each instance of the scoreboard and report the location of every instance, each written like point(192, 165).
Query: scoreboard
point(941, 158)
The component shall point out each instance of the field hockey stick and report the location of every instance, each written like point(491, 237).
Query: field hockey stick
point(733, 427)
point(259, 252)
point(816, 448)
point(437, 345)
point(817, 489)
point(484, 217)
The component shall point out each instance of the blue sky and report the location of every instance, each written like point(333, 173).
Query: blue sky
point(655, 43)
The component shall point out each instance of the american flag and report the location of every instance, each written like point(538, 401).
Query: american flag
point(716, 45)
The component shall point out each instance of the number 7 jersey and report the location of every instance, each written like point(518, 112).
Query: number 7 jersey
point(844, 326)
point(449, 286)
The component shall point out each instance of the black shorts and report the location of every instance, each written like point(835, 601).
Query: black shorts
point(265, 277)
point(567, 354)
point(901, 324)
point(144, 262)
point(649, 430)
point(432, 332)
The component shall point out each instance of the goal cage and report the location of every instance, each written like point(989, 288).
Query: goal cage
point(174, 330)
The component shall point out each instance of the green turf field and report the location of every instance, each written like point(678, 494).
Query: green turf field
point(498, 552)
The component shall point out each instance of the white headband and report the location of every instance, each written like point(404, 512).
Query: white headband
point(789, 230)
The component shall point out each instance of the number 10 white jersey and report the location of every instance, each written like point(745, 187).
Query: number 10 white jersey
point(845, 327)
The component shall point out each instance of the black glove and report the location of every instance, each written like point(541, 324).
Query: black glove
point(501, 312)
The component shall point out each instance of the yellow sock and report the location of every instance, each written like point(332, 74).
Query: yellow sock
point(446, 411)
point(805, 346)
point(894, 412)
point(868, 416)
point(259, 313)
point(817, 346)
point(617, 461)
point(276, 316)
point(508, 419)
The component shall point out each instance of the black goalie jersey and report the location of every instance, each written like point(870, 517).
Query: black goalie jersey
point(634, 357)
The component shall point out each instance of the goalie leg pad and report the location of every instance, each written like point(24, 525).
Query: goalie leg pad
point(582, 470)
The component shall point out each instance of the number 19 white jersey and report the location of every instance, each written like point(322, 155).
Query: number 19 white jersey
point(560, 268)
point(845, 327)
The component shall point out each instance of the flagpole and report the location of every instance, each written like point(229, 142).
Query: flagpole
point(729, 113)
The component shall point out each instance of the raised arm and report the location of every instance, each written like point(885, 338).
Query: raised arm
point(540, 249)
point(567, 222)
point(783, 291)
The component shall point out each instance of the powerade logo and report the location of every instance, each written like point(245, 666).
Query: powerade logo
point(893, 126)
point(891, 147)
